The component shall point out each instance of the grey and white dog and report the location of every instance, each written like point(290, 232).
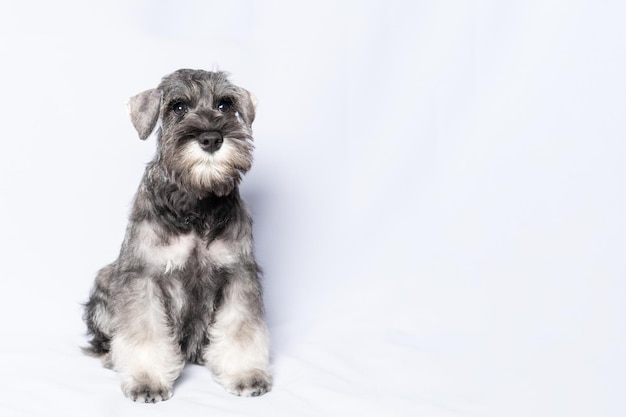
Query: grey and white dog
point(185, 287)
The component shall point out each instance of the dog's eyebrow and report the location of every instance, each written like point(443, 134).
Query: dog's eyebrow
point(174, 99)
point(228, 97)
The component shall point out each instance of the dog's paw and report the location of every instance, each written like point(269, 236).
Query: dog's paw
point(147, 392)
point(249, 384)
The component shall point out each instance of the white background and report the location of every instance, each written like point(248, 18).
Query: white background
point(439, 196)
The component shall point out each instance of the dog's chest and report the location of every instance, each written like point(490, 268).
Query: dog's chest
point(177, 252)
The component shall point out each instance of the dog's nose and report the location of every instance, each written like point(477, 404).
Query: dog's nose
point(211, 141)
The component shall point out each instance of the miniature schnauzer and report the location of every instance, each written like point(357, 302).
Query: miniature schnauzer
point(185, 287)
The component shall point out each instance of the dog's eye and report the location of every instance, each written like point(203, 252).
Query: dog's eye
point(225, 105)
point(179, 107)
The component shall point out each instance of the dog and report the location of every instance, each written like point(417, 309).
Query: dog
point(186, 286)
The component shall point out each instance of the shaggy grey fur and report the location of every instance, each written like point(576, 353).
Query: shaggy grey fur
point(185, 287)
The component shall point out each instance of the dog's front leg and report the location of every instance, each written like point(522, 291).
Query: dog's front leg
point(143, 349)
point(238, 350)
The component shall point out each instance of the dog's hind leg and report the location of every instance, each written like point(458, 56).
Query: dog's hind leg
point(97, 316)
point(143, 349)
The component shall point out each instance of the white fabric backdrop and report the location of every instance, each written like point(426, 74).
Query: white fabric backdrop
point(439, 196)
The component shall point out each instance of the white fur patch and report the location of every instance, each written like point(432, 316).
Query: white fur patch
point(221, 253)
point(166, 256)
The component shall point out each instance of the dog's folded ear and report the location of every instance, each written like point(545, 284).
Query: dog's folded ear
point(144, 111)
point(250, 107)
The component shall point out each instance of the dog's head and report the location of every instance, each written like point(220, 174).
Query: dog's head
point(204, 129)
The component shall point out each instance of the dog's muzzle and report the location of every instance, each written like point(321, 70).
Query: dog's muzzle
point(210, 141)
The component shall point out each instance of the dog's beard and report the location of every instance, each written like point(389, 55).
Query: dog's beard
point(218, 173)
